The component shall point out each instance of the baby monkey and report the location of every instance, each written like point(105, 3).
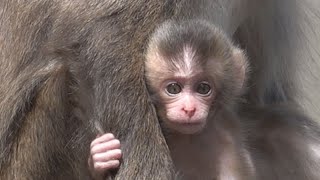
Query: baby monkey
point(194, 75)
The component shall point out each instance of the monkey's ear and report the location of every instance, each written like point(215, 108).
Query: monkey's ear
point(241, 67)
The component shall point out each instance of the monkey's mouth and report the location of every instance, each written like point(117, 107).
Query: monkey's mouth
point(186, 126)
point(187, 121)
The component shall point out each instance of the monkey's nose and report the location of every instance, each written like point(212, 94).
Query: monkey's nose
point(189, 112)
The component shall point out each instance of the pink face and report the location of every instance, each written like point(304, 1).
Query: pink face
point(187, 103)
point(186, 89)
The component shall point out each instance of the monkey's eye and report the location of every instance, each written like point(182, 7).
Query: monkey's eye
point(204, 88)
point(173, 88)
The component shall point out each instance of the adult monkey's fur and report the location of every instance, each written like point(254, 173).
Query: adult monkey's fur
point(56, 54)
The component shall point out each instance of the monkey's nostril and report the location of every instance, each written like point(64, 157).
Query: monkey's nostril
point(189, 112)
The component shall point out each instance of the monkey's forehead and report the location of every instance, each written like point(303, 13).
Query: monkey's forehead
point(204, 38)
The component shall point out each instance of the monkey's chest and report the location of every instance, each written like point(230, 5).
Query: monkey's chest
point(193, 163)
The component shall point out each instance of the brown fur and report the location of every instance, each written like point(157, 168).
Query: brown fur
point(98, 43)
point(45, 129)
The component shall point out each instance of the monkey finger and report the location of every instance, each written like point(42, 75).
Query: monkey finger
point(107, 156)
point(106, 146)
point(104, 166)
point(101, 139)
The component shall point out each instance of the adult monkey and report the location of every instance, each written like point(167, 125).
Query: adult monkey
point(53, 55)
point(58, 50)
